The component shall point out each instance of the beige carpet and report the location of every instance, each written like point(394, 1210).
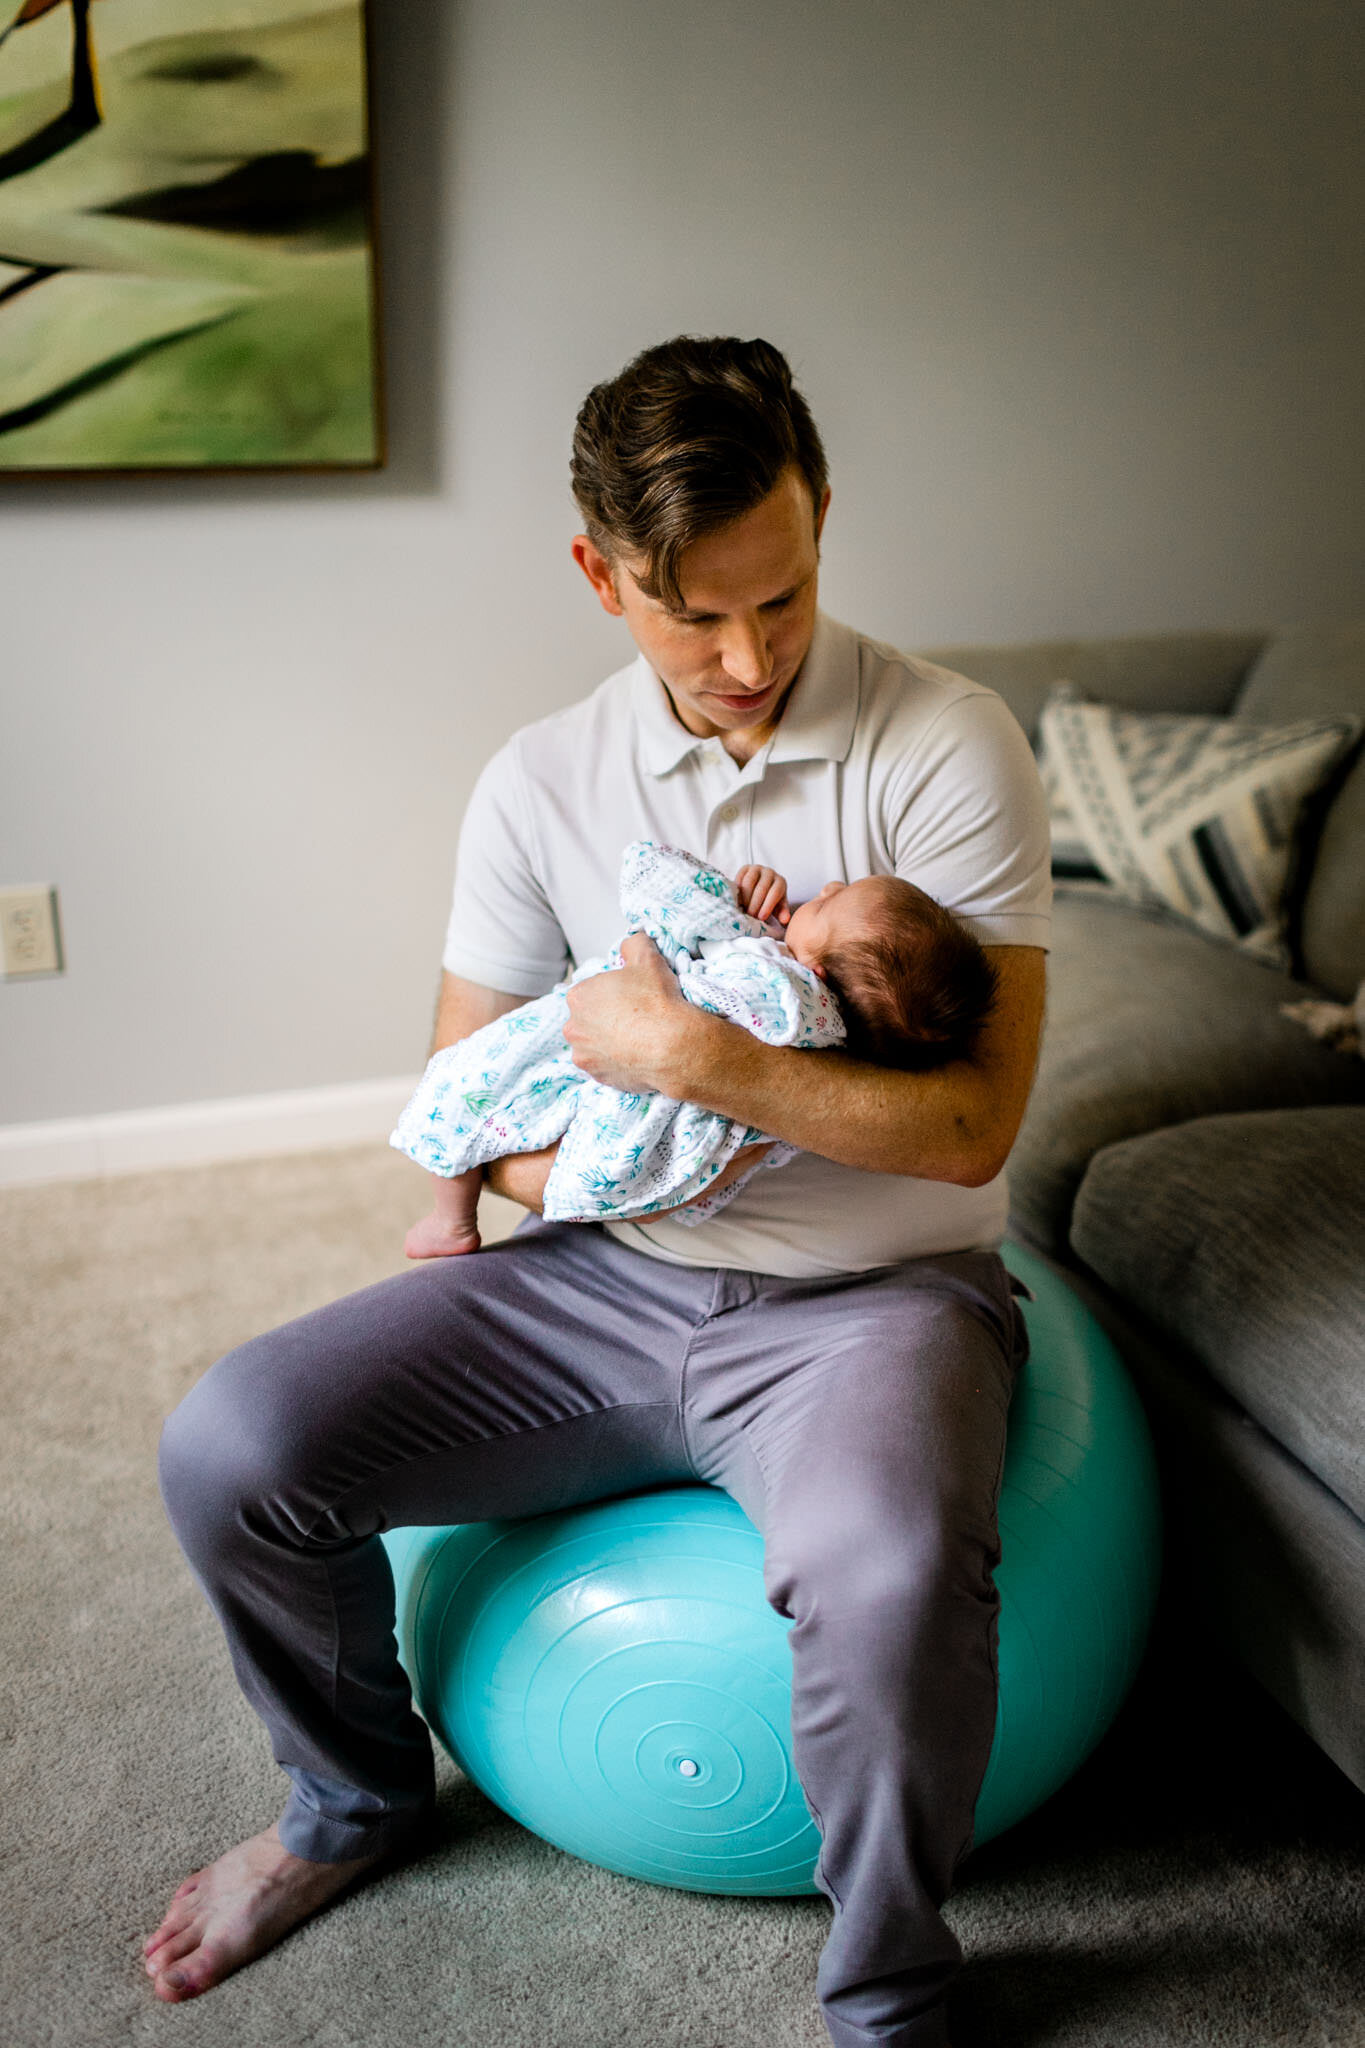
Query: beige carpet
point(1201, 1881)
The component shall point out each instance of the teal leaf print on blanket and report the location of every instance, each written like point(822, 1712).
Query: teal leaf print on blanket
point(512, 1086)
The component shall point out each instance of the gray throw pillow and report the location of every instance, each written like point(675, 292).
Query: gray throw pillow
point(1193, 815)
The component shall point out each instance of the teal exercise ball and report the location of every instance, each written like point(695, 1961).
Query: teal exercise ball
point(614, 1679)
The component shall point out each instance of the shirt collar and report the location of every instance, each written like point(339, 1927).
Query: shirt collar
point(816, 725)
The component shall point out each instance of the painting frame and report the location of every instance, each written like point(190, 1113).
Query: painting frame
point(189, 273)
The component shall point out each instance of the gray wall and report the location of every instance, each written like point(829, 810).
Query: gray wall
point(1076, 294)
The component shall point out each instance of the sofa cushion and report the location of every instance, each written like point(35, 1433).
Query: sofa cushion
point(1310, 672)
point(1151, 1023)
point(1241, 1237)
point(1195, 815)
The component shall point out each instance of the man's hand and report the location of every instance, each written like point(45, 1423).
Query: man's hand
point(623, 1027)
point(763, 893)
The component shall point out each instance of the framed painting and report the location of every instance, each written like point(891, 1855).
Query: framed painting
point(187, 275)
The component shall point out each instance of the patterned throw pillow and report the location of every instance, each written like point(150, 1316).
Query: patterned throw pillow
point(1192, 815)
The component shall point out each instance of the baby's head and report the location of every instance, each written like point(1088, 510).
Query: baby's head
point(915, 987)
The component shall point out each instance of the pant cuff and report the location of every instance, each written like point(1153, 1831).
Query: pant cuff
point(318, 1839)
point(930, 2030)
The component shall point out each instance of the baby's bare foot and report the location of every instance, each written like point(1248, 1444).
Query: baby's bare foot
point(434, 1238)
point(235, 1910)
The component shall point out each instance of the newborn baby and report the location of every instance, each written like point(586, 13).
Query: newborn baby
point(874, 965)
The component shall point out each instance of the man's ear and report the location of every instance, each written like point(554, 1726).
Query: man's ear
point(599, 573)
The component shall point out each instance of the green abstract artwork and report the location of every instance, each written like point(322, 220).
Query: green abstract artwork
point(186, 261)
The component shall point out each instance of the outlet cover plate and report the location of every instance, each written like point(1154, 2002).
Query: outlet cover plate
point(30, 931)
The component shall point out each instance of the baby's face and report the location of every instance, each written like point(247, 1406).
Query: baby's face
point(842, 911)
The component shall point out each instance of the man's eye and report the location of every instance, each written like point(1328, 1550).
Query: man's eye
point(778, 604)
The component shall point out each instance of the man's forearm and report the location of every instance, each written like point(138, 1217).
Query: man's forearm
point(521, 1177)
point(955, 1123)
point(633, 1030)
point(938, 1126)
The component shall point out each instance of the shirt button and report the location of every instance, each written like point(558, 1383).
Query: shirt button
point(729, 813)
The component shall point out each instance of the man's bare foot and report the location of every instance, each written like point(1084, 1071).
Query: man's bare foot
point(235, 1910)
point(434, 1238)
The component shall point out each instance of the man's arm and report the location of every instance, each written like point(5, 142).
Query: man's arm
point(463, 1006)
point(955, 1123)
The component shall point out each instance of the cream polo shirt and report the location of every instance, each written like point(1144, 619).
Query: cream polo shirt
point(881, 764)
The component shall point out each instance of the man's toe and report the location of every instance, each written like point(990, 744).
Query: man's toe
point(171, 1928)
point(171, 1951)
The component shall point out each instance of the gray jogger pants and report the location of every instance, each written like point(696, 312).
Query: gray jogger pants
point(859, 1421)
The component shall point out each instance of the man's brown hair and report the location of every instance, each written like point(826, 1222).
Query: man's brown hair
point(689, 437)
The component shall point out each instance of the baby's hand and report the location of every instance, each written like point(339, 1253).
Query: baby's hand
point(763, 893)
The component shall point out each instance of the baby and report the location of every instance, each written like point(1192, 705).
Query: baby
point(874, 965)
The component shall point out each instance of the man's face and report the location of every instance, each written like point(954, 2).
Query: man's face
point(729, 656)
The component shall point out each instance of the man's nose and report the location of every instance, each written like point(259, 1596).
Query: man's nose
point(745, 655)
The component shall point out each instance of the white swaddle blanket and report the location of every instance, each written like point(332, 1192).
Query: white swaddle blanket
point(512, 1086)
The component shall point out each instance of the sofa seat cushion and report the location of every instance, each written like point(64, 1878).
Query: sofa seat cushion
point(1241, 1238)
point(1151, 1023)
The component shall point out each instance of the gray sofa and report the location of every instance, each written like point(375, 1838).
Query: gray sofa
point(1195, 1162)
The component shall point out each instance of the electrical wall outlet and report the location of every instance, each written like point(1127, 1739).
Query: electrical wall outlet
point(31, 931)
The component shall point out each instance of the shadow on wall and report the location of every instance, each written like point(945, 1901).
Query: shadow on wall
point(411, 74)
point(410, 86)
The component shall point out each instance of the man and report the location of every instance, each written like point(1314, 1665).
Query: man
point(836, 1348)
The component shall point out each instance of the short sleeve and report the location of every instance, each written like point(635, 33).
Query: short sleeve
point(503, 933)
point(965, 819)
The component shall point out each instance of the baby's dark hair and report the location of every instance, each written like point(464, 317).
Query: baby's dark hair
point(916, 989)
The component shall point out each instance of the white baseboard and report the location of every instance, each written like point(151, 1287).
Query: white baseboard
point(200, 1133)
